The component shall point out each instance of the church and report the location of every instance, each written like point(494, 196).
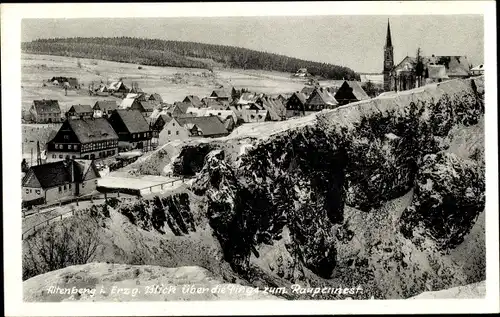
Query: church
point(413, 72)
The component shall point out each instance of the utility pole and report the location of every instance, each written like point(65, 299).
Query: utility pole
point(31, 160)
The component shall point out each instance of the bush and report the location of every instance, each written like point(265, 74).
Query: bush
point(72, 242)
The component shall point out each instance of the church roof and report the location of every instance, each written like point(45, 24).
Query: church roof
point(388, 40)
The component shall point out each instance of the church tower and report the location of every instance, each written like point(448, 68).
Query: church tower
point(388, 59)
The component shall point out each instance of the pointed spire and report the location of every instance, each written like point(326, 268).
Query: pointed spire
point(388, 41)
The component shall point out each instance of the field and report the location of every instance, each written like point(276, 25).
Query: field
point(173, 84)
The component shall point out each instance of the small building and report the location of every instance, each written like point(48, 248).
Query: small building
point(155, 97)
point(103, 108)
point(73, 83)
point(159, 124)
point(301, 72)
point(320, 99)
point(83, 138)
point(350, 91)
point(80, 112)
point(477, 71)
point(221, 94)
point(184, 128)
point(132, 128)
point(45, 111)
point(52, 182)
point(295, 106)
point(118, 87)
point(145, 107)
point(194, 101)
point(276, 109)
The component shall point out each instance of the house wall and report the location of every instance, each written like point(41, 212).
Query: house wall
point(177, 132)
point(86, 155)
point(30, 193)
point(87, 187)
point(53, 194)
point(46, 117)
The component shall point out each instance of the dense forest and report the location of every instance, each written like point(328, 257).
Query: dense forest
point(180, 54)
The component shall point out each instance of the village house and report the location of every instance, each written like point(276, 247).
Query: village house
point(216, 104)
point(295, 106)
point(350, 91)
point(228, 117)
point(80, 112)
point(277, 110)
point(56, 181)
point(159, 124)
point(194, 101)
point(320, 99)
point(45, 111)
point(144, 107)
point(155, 98)
point(83, 138)
point(118, 87)
point(477, 71)
point(221, 94)
point(103, 108)
point(184, 128)
point(301, 72)
point(249, 115)
point(132, 128)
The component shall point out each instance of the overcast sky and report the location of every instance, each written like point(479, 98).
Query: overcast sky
point(353, 41)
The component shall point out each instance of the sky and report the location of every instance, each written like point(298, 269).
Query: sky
point(356, 42)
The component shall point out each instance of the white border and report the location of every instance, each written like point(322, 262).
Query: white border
point(11, 156)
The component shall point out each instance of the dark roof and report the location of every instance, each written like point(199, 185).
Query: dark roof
point(105, 105)
point(325, 96)
point(80, 108)
point(221, 93)
point(59, 173)
point(209, 125)
point(195, 100)
point(388, 40)
point(301, 96)
point(47, 106)
point(182, 106)
point(133, 120)
point(147, 105)
point(357, 90)
point(92, 130)
point(156, 97)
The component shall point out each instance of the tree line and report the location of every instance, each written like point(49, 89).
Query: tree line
point(157, 52)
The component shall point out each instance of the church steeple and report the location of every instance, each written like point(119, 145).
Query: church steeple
point(388, 58)
point(388, 41)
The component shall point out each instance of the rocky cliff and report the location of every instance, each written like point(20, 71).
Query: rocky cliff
point(298, 178)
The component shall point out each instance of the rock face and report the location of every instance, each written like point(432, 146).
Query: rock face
point(120, 282)
point(361, 155)
point(449, 195)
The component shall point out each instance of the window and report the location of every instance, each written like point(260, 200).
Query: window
point(66, 137)
point(133, 136)
point(27, 191)
point(83, 185)
point(69, 186)
point(60, 156)
point(70, 146)
point(176, 132)
point(173, 124)
point(95, 181)
point(169, 132)
point(144, 134)
point(37, 192)
point(54, 156)
point(64, 187)
point(60, 189)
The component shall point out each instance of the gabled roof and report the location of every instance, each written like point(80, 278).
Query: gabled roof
point(357, 90)
point(80, 108)
point(147, 105)
point(156, 97)
point(117, 85)
point(182, 106)
point(46, 106)
point(221, 93)
point(325, 97)
point(209, 125)
point(301, 96)
point(92, 130)
point(194, 100)
point(126, 103)
point(105, 105)
point(60, 173)
point(134, 120)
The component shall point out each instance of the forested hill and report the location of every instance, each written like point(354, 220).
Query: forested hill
point(180, 54)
